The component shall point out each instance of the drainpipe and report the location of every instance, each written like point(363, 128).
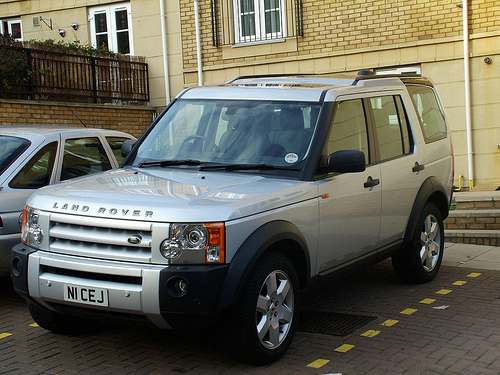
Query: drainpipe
point(198, 43)
point(165, 54)
point(467, 94)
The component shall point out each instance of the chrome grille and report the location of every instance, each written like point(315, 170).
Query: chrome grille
point(100, 238)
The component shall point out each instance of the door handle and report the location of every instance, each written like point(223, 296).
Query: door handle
point(418, 167)
point(370, 182)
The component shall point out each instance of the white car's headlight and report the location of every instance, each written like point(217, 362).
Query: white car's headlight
point(31, 231)
point(198, 243)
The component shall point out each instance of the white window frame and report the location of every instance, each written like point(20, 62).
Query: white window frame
point(112, 32)
point(9, 23)
point(260, 22)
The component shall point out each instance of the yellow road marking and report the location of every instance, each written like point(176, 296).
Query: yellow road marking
point(389, 323)
point(443, 291)
point(4, 335)
point(344, 348)
point(474, 274)
point(459, 283)
point(34, 325)
point(408, 311)
point(370, 333)
point(428, 301)
point(318, 363)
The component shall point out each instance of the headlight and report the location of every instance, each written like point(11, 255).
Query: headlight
point(195, 243)
point(31, 231)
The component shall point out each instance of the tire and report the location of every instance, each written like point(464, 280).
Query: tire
point(61, 323)
point(262, 324)
point(421, 259)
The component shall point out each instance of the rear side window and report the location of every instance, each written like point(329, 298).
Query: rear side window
point(429, 112)
point(10, 149)
point(391, 127)
point(83, 156)
point(36, 173)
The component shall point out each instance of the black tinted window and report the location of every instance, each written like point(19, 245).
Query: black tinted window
point(36, 173)
point(10, 149)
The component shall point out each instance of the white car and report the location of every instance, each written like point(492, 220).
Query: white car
point(35, 156)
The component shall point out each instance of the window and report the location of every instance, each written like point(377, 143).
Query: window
point(429, 112)
point(12, 27)
point(348, 130)
point(249, 21)
point(10, 149)
point(83, 156)
point(36, 173)
point(111, 27)
point(116, 146)
point(391, 127)
point(258, 20)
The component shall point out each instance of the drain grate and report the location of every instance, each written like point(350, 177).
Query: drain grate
point(330, 323)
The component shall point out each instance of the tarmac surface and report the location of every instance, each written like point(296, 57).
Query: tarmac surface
point(448, 326)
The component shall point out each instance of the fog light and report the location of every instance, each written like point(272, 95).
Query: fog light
point(180, 286)
point(177, 286)
point(17, 266)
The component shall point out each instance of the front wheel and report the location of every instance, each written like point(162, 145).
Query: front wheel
point(262, 324)
point(420, 260)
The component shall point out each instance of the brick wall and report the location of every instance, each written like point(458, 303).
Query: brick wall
point(132, 120)
point(332, 26)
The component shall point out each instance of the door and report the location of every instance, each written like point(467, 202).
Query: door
point(350, 203)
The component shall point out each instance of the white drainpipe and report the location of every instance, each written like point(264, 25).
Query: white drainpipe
point(198, 43)
point(467, 94)
point(165, 54)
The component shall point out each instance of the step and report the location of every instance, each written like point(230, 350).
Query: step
point(477, 237)
point(477, 200)
point(474, 219)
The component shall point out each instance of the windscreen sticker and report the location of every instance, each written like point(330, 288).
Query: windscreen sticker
point(291, 158)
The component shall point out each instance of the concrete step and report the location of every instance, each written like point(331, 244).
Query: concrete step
point(475, 219)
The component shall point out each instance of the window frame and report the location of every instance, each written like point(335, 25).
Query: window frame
point(9, 22)
point(112, 31)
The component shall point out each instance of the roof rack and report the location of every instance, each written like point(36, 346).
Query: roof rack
point(367, 74)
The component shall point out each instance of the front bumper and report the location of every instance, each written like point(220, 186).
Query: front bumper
point(133, 289)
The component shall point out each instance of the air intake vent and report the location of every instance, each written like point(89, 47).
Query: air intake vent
point(36, 21)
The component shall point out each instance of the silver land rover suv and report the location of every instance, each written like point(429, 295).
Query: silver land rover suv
point(239, 197)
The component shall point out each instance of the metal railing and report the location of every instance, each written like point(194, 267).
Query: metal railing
point(235, 22)
point(34, 74)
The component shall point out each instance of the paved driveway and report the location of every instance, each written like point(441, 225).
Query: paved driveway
point(448, 326)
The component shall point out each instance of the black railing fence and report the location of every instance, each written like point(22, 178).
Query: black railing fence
point(34, 74)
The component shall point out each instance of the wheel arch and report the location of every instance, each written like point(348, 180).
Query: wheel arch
point(280, 236)
point(432, 190)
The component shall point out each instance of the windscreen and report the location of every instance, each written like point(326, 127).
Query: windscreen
point(10, 149)
point(243, 132)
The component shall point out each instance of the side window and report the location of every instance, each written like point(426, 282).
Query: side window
point(116, 146)
point(391, 127)
point(429, 112)
point(348, 130)
point(36, 173)
point(83, 156)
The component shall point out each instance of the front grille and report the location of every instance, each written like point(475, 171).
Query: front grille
point(100, 238)
point(92, 275)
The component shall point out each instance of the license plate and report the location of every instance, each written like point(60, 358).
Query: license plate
point(85, 294)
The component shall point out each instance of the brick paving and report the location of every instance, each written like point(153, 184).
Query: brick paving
point(447, 327)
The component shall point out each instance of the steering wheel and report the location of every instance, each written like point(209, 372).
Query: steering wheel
point(196, 136)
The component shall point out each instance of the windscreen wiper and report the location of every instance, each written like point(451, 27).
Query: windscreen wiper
point(234, 167)
point(169, 163)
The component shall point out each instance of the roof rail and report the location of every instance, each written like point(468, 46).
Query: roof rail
point(370, 74)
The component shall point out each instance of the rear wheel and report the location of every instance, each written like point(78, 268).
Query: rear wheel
point(61, 323)
point(421, 259)
point(262, 324)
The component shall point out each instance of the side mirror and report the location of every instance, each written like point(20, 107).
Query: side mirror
point(127, 146)
point(345, 161)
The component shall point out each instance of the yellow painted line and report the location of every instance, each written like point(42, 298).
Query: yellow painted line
point(459, 283)
point(34, 325)
point(443, 291)
point(4, 335)
point(389, 323)
point(370, 333)
point(408, 311)
point(318, 363)
point(344, 348)
point(474, 274)
point(428, 301)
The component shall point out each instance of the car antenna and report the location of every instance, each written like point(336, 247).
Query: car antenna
point(74, 114)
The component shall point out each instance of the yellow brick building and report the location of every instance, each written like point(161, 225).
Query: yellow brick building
point(246, 37)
